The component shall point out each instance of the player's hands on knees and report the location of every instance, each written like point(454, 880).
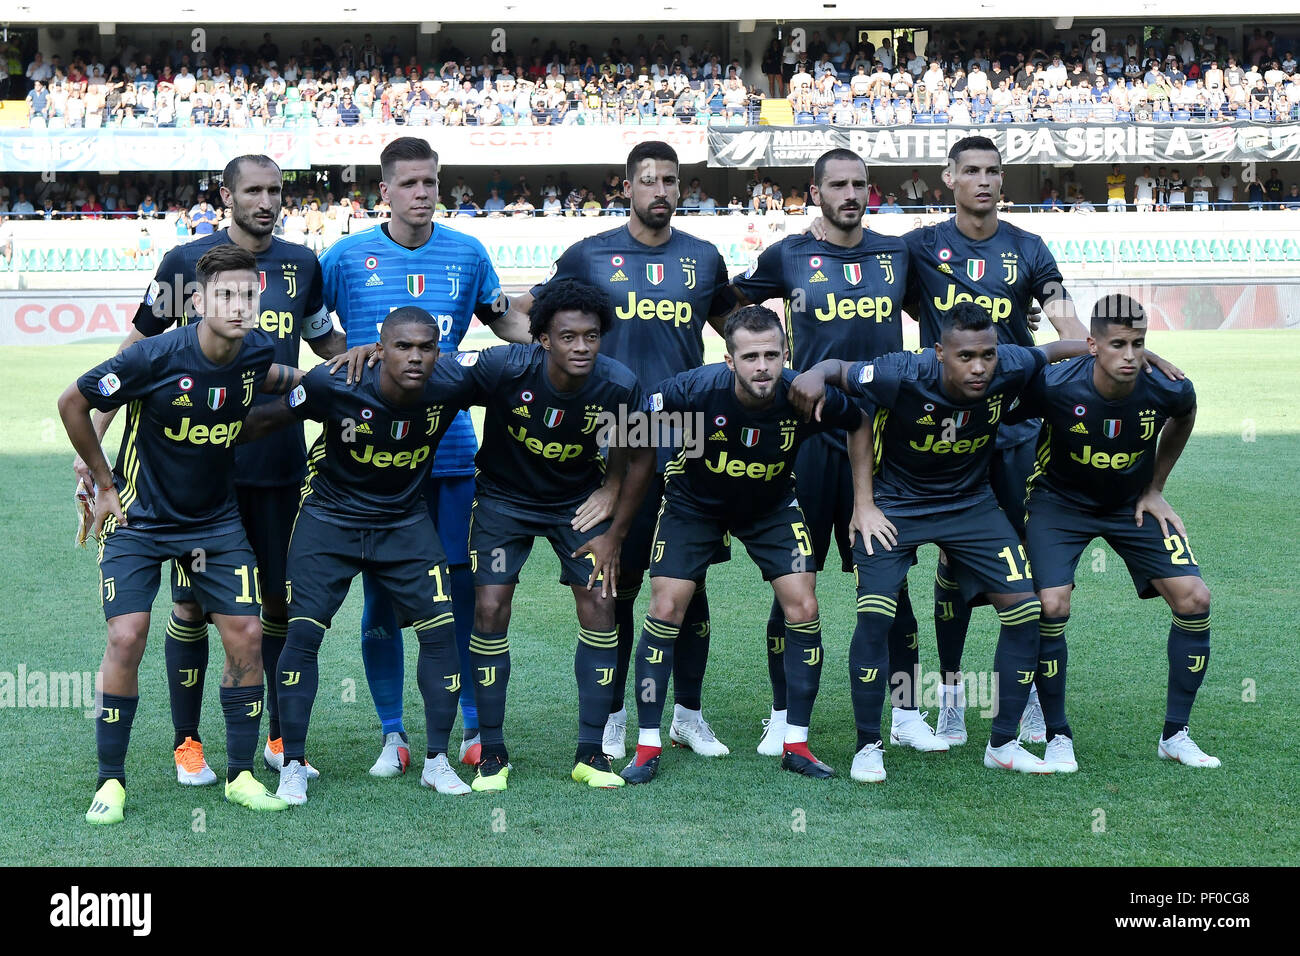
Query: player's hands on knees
point(870, 522)
point(808, 394)
point(1153, 503)
point(598, 507)
point(817, 228)
point(354, 358)
point(107, 503)
point(604, 550)
point(1170, 370)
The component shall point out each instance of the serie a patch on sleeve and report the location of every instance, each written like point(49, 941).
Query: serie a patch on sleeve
point(867, 374)
point(109, 384)
point(655, 403)
point(297, 396)
point(466, 358)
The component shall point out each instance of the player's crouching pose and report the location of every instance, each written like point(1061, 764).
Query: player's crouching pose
point(540, 473)
point(362, 511)
point(1111, 435)
point(743, 483)
point(937, 418)
point(171, 496)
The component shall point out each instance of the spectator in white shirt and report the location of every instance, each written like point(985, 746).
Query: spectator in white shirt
point(914, 189)
point(1201, 184)
point(933, 76)
point(1144, 190)
point(1227, 187)
point(1055, 74)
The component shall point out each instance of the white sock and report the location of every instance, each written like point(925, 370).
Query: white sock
point(954, 695)
point(902, 716)
point(621, 714)
point(796, 735)
point(649, 738)
point(778, 716)
point(681, 714)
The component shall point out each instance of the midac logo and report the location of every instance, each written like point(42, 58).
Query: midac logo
point(76, 909)
point(745, 149)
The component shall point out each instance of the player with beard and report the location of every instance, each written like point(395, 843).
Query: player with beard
point(744, 486)
point(975, 257)
point(267, 472)
point(665, 286)
point(844, 300)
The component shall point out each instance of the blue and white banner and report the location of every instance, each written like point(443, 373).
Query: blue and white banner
point(122, 150)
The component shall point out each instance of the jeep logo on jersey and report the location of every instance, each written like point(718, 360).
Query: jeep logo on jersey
point(975, 269)
point(654, 271)
point(1110, 427)
point(749, 437)
point(261, 280)
point(853, 272)
point(553, 417)
point(415, 284)
point(400, 430)
point(216, 398)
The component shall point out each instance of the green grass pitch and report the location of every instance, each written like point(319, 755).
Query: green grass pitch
point(1235, 487)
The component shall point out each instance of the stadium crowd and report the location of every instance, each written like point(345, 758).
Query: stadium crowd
point(1185, 77)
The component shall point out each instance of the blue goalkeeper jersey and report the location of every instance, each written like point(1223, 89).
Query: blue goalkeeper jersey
point(368, 274)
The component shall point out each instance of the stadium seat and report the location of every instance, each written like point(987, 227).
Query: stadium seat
point(1091, 251)
point(1055, 249)
point(923, 119)
point(1290, 250)
point(1146, 251)
point(1182, 251)
point(106, 260)
point(1262, 116)
point(1182, 116)
point(1272, 250)
point(1218, 251)
point(1164, 253)
point(29, 260)
point(803, 118)
point(523, 259)
point(1127, 251)
point(540, 258)
point(1124, 116)
point(1161, 116)
point(1073, 251)
point(1237, 251)
point(1243, 114)
point(1200, 250)
point(1106, 250)
point(823, 119)
point(503, 257)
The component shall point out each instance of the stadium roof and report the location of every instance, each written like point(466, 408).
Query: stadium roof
point(490, 12)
